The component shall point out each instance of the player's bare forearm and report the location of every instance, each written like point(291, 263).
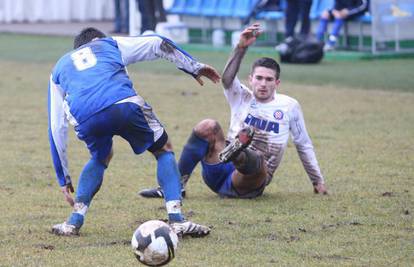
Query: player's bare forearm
point(247, 38)
point(232, 66)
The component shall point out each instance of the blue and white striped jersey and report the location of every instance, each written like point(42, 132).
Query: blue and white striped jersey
point(93, 77)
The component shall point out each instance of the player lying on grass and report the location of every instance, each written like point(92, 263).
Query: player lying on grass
point(261, 121)
point(90, 88)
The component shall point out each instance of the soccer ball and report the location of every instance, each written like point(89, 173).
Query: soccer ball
point(154, 243)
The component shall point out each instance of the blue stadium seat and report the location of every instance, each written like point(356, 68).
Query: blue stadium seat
point(177, 8)
point(243, 8)
point(270, 15)
point(209, 8)
point(366, 18)
point(192, 7)
point(273, 15)
point(225, 8)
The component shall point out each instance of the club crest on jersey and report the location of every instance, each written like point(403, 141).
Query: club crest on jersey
point(278, 114)
point(261, 124)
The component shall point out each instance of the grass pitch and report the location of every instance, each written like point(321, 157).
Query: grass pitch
point(360, 116)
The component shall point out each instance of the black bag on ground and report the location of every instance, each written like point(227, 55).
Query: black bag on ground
point(294, 50)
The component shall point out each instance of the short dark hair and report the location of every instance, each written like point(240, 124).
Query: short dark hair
point(87, 35)
point(269, 63)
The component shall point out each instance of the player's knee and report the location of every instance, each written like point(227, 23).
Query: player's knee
point(108, 158)
point(325, 14)
point(252, 164)
point(167, 147)
point(208, 129)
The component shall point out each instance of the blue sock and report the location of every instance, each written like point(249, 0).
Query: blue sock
point(337, 27)
point(169, 179)
point(323, 25)
point(89, 183)
point(175, 217)
point(194, 151)
point(76, 219)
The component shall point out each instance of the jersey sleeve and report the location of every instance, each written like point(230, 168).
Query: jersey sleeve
point(152, 47)
point(58, 128)
point(304, 145)
point(237, 94)
point(360, 7)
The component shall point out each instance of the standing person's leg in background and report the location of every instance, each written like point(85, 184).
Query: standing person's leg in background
point(117, 19)
point(323, 25)
point(125, 17)
point(148, 19)
point(292, 13)
point(160, 11)
point(305, 6)
point(121, 22)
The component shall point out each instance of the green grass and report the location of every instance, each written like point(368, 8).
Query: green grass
point(360, 116)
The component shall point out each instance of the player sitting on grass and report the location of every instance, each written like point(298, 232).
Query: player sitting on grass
point(90, 88)
point(261, 121)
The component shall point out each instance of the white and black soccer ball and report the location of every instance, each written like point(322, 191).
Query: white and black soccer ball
point(154, 243)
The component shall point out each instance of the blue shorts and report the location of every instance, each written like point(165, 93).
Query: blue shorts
point(136, 124)
point(218, 178)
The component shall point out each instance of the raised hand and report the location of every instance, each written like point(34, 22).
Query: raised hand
point(249, 35)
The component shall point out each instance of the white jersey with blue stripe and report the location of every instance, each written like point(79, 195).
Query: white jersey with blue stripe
point(93, 77)
point(274, 122)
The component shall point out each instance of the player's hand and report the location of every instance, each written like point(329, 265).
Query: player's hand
point(249, 35)
point(344, 13)
point(320, 189)
point(208, 72)
point(340, 14)
point(67, 190)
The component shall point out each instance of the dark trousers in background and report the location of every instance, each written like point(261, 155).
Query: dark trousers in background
point(152, 12)
point(294, 10)
point(121, 16)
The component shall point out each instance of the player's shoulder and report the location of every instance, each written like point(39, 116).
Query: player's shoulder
point(101, 44)
point(62, 61)
point(237, 87)
point(133, 40)
point(112, 40)
point(288, 100)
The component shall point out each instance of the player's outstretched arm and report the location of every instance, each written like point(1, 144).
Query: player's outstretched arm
point(306, 151)
point(247, 37)
point(58, 126)
point(152, 47)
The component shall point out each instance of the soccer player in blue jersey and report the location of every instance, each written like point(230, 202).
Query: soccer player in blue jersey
point(90, 88)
